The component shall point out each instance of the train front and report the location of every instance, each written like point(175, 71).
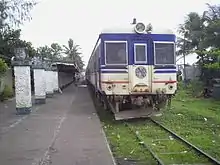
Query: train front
point(143, 62)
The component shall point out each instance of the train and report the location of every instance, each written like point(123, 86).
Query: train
point(133, 71)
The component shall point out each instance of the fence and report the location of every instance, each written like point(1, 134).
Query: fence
point(192, 72)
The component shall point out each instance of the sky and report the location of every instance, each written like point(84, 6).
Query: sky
point(83, 20)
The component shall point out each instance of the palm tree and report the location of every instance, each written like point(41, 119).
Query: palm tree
point(212, 18)
point(73, 54)
point(193, 30)
point(200, 33)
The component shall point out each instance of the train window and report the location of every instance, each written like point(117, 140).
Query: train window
point(164, 53)
point(97, 58)
point(140, 51)
point(116, 53)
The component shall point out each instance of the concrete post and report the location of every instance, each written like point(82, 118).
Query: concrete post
point(22, 82)
point(39, 85)
point(55, 82)
point(49, 82)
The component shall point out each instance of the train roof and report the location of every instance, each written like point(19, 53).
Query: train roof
point(130, 29)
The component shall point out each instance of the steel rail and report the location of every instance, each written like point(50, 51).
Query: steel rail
point(213, 160)
point(159, 161)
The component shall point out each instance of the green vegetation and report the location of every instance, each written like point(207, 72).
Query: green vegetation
point(123, 144)
point(54, 53)
point(3, 67)
point(195, 119)
point(200, 34)
point(15, 13)
point(169, 150)
point(191, 116)
point(7, 93)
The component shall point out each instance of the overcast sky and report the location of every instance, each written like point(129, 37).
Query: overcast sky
point(82, 20)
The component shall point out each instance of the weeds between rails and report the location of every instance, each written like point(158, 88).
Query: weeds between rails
point(175, 150)
point(120, 153)
point(145, 133)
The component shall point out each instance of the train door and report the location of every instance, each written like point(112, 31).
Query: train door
point(140, 71)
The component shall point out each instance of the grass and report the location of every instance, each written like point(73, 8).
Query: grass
point(195, 119)
point(169, 150)
point(123, 143)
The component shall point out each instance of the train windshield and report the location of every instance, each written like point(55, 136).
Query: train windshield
point(116, 53)
point(165, 53)
point(140, 52)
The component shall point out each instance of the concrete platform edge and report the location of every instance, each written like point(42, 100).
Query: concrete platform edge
point(108, 146)
point(66, 85)
point(103, 133)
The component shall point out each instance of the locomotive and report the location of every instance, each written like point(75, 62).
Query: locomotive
point(133, 71)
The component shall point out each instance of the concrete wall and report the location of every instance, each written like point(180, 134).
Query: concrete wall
point(192, 72)
point(64, 78)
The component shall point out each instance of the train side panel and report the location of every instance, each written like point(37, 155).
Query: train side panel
point(93, 67)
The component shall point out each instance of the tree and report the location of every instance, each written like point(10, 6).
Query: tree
point(79, 63)
point(213, 26)
point(200, 33)
point(45, 52)
point(12, 14)
point(56, 50)
point(9, 40)
point(193, 32)
point(30, 50)
point(15, 12)
point(73, 54)
point(212, 37)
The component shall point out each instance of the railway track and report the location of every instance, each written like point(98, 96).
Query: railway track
point(182, 156)
point(171, 136)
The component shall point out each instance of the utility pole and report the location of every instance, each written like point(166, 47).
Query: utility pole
point(184, 58)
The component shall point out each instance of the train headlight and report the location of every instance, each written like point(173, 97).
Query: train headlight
point(140, 72)
point(140, 28)
point(170, 87)
point(109, 88)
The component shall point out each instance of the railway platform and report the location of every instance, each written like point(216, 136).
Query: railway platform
point(64, 131)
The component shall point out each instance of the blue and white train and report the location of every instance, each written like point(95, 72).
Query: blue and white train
point(133, 69)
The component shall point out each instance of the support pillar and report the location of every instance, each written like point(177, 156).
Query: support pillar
point(22, 76)
point(39, 85)
point(23, 89)
point(55, 82)
point(49, 82)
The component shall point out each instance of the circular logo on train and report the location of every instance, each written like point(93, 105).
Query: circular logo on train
point(140, 72)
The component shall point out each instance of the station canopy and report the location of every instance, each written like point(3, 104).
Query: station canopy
point(66, 67)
